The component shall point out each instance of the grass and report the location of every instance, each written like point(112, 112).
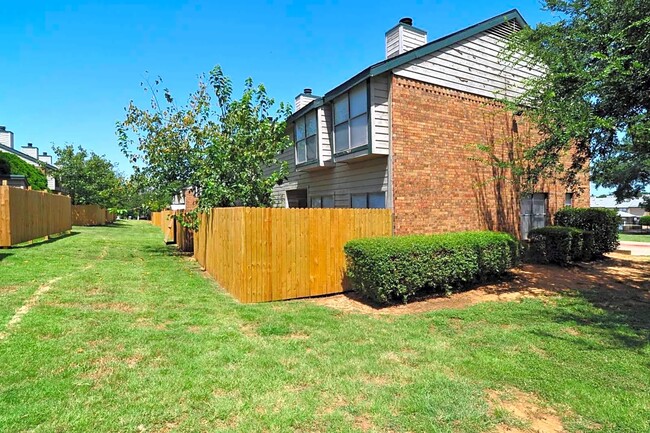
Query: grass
point(635, 238)
point(132, 338)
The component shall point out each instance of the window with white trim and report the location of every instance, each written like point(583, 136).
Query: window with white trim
point(351, 119)
point(373, 200)
point(306, 129)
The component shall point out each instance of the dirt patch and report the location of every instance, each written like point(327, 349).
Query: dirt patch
point(527, 410)
point(618, 280)
point(8, 290)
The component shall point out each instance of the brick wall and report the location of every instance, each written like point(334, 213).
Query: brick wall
point(190, 200)
point(441, 180)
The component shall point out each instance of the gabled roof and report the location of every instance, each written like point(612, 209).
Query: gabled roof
point(404, 58)
point(19, 154)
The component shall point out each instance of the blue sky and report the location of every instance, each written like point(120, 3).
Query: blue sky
point(68, 69)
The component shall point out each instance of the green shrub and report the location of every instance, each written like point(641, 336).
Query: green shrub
point(588, 245)
point(559, 245)
point(645, 220)
point(35, 177)
point(393, 269)
point(603, 223)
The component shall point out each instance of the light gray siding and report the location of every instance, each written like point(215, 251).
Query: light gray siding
point(340, 181)
point(379, 117)
point(474, 65)
point(325, 132)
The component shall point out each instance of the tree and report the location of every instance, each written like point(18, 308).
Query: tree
point(595, 96)
point(88, 178)
point(225, 149)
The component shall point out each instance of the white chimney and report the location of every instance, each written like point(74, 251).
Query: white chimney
point(304, 98)
point(30, 150)
point(45, 158)
point(404, 37)
point(6, 137)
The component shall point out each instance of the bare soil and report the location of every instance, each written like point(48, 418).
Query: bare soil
point(617, 282)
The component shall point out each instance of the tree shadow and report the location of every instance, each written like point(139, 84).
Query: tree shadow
point(43, 241)
point(495, 176)
point(619, 289)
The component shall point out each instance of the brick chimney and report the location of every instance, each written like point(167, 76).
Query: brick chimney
point(404, 37)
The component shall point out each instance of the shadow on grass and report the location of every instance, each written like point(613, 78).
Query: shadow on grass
point(4, 256)
point(620, 291)
point(611, 295)
point(43, 241)
point(166, 250)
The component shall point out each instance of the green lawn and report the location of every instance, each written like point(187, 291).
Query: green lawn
point(635, 238)
point(131, 338)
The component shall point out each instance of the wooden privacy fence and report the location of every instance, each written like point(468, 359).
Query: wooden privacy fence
point(268, 254)
point(26, 215)
point(165, 220)
point(89, 215)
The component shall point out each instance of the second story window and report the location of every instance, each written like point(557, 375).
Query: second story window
point(306, 141)
point(351, 119)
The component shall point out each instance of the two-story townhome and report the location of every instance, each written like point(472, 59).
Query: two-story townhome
point(406, 134)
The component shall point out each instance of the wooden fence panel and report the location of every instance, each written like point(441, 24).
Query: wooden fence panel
point(270, 254)
point(88, 215)
point(26, 215)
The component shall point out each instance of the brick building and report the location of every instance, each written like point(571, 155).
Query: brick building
point(419, 133)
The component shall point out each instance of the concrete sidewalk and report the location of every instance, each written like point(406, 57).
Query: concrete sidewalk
point(634, 248)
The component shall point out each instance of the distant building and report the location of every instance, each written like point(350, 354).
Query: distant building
point(633, 207)
point(30, 155)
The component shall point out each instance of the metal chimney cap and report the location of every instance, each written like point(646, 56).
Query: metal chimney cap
point(29, 144)
point(406, 20)
point(307, 91)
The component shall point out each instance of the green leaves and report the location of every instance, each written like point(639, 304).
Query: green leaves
point(224, 149)
point(87, 177)
point(595, 92)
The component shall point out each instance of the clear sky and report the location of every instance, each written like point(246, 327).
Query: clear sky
point(68, 68)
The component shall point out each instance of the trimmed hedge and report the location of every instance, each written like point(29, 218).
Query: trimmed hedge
point(560, 245)
point(393, 269)
point(645, 220)
point(603, 223)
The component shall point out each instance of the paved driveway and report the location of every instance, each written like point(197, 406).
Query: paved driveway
point(635, 248)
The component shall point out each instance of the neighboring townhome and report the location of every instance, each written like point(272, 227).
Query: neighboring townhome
point(30, 155)
point(405, 134)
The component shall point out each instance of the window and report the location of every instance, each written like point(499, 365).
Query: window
point(305, 135)
point(351, 119)
point(568, 199)
point(325, 201)
point(375, 200)
point(533, 212)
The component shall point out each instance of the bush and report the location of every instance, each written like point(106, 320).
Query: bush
point(35, 177)
point(393, 269)
point(603, 223)
point(645, 220)
point(559, 245)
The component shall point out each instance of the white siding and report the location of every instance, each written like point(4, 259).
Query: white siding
point(379, 118)
point(474, 65)
point(325, 131)
point(402, 38)
point(340, 181)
